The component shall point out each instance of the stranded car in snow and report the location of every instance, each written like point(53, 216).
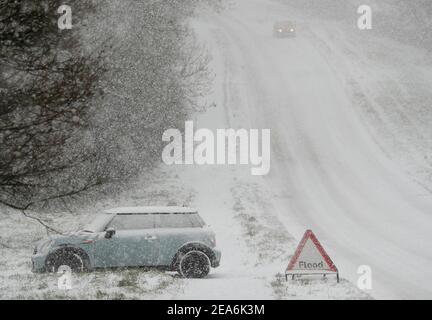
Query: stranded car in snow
point(173, 238)
point(284, 29)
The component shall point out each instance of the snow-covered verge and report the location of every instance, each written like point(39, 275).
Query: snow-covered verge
point(19, 234)
point(256, 248)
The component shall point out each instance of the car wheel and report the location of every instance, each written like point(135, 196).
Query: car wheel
point(194, 264)
point(69, 259)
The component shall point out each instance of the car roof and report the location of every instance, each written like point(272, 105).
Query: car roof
point(151, 210)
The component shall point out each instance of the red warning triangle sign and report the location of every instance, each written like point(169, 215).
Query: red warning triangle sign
point(310, 257)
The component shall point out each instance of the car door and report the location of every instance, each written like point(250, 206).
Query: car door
point(173, 231)
point(133, 244)
point(113, 252)
point(142, 247)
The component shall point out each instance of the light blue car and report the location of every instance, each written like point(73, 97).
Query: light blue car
point(172, 238)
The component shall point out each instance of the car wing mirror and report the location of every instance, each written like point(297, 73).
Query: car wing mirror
point(109, 233)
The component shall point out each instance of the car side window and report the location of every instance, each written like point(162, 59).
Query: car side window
point(197, 221)
point(133, 222)
point(176, 220)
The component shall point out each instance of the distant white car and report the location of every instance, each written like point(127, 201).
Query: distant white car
point(284, 29)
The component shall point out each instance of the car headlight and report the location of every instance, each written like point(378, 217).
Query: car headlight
point(44, 248)
point(213, 240)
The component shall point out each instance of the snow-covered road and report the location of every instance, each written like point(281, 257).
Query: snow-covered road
point(327, 173)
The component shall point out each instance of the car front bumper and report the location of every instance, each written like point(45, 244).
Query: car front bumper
point(38, 263)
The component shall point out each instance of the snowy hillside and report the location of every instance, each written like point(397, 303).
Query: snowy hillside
point(349, 113)
point(327, 97)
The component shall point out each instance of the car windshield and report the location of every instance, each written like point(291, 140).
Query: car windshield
point(284, 25)
point(99, 223)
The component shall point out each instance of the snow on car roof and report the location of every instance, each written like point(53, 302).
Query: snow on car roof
point(151, 210)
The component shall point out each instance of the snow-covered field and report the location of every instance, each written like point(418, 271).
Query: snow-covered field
point(350, 160)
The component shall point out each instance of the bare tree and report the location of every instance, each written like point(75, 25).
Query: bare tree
point(157, 73)
point(79, 122)
point(45, 85)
